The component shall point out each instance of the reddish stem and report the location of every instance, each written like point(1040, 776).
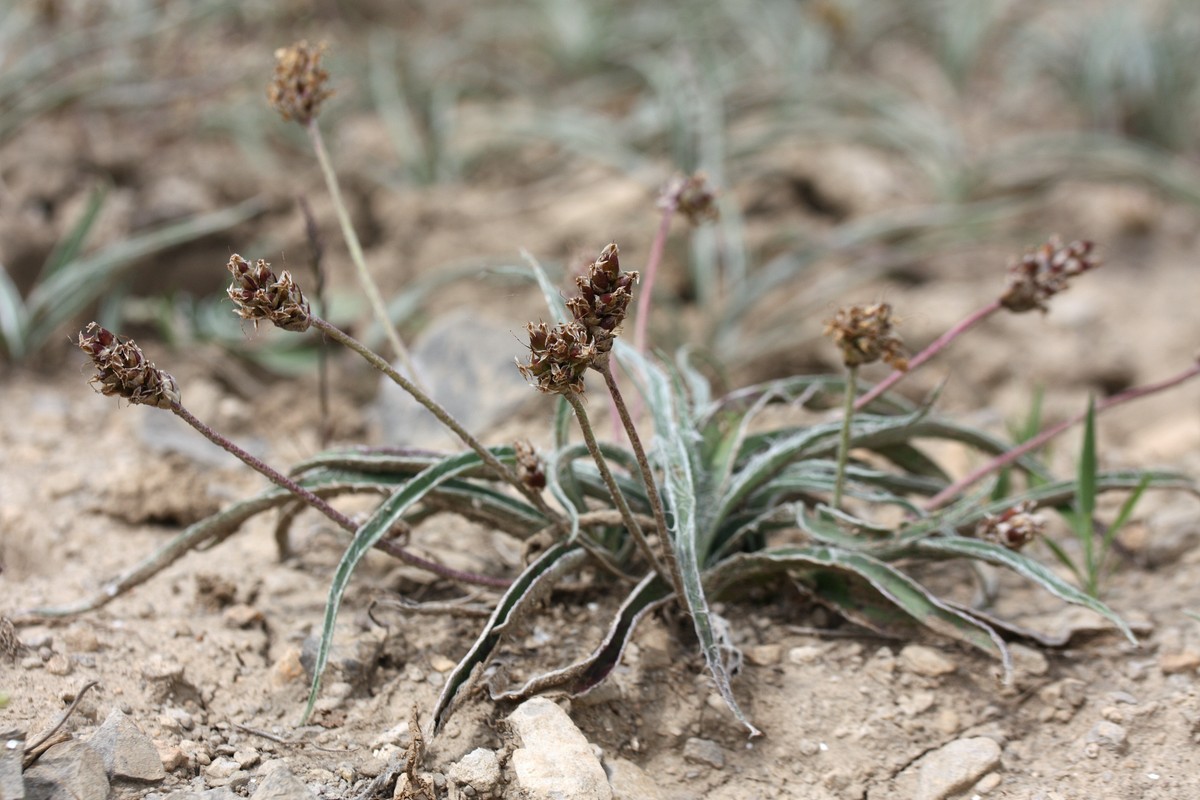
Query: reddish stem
point(641, 320)
point(941, 498)
point(342, 521)
point(929, 352)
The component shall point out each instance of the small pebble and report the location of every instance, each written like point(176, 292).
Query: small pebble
point(704, 751)
point(58, 664)
point(1175, 663)
point(925, 661)
point(764, 655)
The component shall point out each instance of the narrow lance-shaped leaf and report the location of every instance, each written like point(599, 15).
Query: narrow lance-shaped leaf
point(585, 675)
point(675, 440)
point(531, 584)
point(374, 529)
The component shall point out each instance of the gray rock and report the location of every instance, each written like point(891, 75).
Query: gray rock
point(67, 771)
point(127, 752)
point(556, 761)
point(465, 362)
point(479, 769)
point(280, 784)
point(223, 793)
point(12, 748)
point(704, 751)
point(956, 766)
point(1109, 735)
point(630, 782)
point(353, 657)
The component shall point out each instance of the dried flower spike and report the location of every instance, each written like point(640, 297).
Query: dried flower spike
point(1045, 272)
point(558, 357)
point(122, 369)
point(864, 334)
point(299, 85)
point(1013, 528)
point(260, 295)
point(693, 197)
point(603, 300)
point(529, 466)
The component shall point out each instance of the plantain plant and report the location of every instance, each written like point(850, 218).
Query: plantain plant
point(720, 497)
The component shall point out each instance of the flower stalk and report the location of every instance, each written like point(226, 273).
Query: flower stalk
point(122, 370)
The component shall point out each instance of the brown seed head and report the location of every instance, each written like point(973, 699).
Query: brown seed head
point(693, 197)
point(260, 295)
point(1045, 272)
point(1013, 528)
point(864, 334)
point(558, 357)
point(603, 300)
point(122, 369)
point(529, 466)
point(299, 85)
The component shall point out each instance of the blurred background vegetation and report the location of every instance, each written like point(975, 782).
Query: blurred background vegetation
point(853, 140)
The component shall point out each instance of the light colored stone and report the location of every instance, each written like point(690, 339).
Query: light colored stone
point(1109, 735)
point(1173, 663)
point(280, 784)
point(127, 752)
point(555, 762)
point(630, 782)
point(479, 769)
point(955, 766)
point(704, 751)
point(921, 660)
point(764, 655)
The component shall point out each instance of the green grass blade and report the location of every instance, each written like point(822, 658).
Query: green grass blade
point(14, 319)
point(1025, 567)
point(64, 294)
point(1125, 512)
point(530, 585)
point(374, 529)
point(67, 248)
point(1086, 499)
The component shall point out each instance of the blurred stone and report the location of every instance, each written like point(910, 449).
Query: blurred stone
point(556, 762)
point(479, 769)
point(956, 766)
point(280, 784)
point(630, 782)
point(12, 748)
point(1173, 663)
point(67, 771)
point(704, 751)
point(465, 362)
point(926, 661)
point(126, 751)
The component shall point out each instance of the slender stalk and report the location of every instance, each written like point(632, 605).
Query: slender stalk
point(950, 492)
point(356, 253)
point(839, 481)
point(639, 452)
point(340, 519)
point(929, 352)
point(641, 320)
point(443, 416)
point(631, 523)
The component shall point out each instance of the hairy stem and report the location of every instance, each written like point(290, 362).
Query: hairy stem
point(631, 523)
point(950, 492)
point(929, 352)
point(356, 253)
point(443, 416)
point(340, 519)
point(639, 452)
point(839, 481)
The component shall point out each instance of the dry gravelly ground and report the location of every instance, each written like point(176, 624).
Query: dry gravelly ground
point(87, 487)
